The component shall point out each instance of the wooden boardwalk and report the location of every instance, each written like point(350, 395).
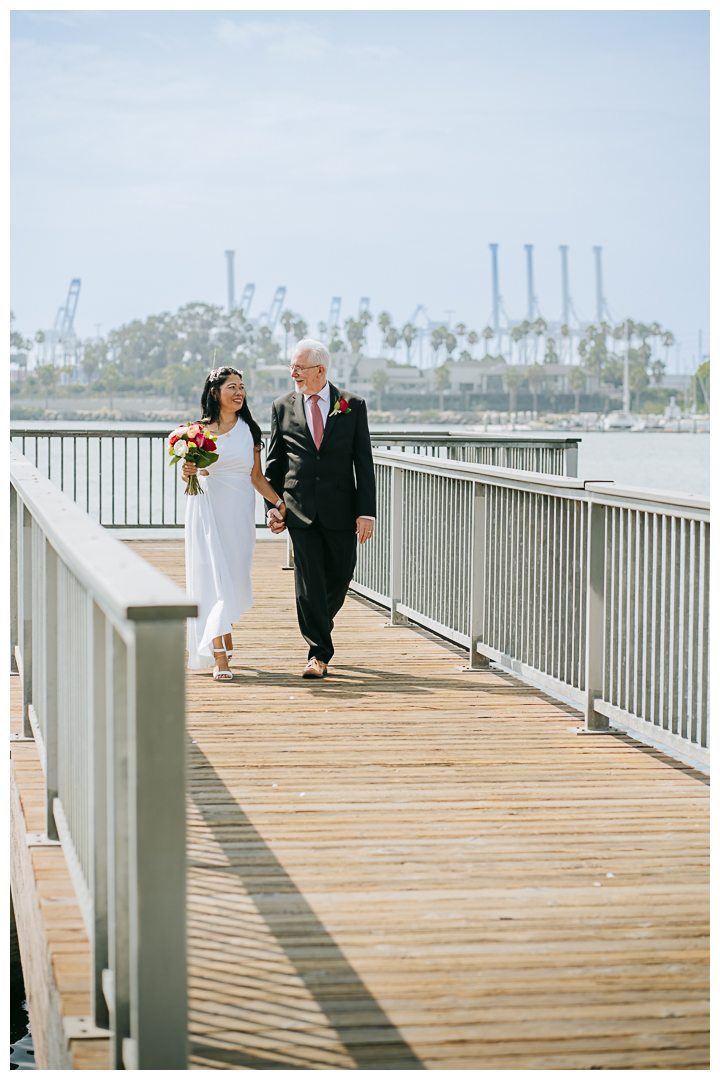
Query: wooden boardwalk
point(406, 866)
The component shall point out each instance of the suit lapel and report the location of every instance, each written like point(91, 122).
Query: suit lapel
point(302, 419)
point(331, 420)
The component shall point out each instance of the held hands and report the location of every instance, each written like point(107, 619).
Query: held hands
point(276, 523)
point(275, 519)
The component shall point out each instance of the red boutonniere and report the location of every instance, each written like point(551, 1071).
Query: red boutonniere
point(341, 406)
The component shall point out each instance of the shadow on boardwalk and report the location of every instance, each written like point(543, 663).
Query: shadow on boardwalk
point(356, 1027)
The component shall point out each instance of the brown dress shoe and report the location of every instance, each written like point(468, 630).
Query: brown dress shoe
point(315, 669)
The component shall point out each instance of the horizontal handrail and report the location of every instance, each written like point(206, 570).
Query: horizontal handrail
point(123, 583)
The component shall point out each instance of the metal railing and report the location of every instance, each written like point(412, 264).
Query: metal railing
point(122, 477)
point(98, 642)
point(597, 593)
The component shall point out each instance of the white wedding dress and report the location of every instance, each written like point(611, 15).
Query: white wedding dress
point(219, 545)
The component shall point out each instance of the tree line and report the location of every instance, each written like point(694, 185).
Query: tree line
point(171, 353)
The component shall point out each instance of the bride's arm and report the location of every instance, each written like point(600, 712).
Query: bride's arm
point(261, 484)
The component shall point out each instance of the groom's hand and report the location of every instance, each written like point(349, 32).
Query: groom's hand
point(365, 529)
point(275, 521)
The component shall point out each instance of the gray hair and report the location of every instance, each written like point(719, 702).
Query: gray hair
point(316, 352)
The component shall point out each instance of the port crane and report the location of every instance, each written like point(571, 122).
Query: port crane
point(63, 330)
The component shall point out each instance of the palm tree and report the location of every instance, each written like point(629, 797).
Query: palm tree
point(488, 334)
point(639, 381)
point(525, 328)
point(472, 339)
point(384, 322)
point(516, 335)
point(409, 333)
point(299, 329)
point(513, 378)
point(379, 380)
point(460, 331)
point(437, 338)
point(450, 344)
point(535, 377)
point(391, 338)
point(355, 331)
point(576, 382)
point(538, 327)
point(442, 381)
point(287, 320)
point(47, 375)
point(658, 372)
point(551, 355)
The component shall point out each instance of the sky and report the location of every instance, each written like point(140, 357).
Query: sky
point(360, 154)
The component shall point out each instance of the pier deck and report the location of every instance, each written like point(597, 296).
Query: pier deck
point(407, 866)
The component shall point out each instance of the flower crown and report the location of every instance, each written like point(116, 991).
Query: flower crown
point(216, 373)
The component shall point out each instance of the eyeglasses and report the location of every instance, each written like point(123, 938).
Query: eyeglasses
point(292, 368)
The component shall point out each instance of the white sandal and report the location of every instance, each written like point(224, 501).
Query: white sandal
point(222, 676)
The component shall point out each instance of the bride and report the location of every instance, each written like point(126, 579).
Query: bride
point(220, 524)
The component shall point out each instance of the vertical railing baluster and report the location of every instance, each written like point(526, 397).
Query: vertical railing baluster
point(116, 983)
point(98, 820)
point(705, 592)
point(14, 579)
point(595, 613)
point(396, 547)
point(150, 471)
point(50, 702)
point(25, 611)
point(478, 584)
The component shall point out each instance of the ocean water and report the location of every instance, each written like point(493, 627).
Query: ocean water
point(664, 461)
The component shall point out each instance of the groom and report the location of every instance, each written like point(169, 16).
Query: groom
point(320, 458)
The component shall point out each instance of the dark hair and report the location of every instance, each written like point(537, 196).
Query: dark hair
point(210, 402)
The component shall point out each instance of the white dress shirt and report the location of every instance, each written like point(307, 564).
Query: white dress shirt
point(324, 407)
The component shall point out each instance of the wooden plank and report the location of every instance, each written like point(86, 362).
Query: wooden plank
point(396, 867)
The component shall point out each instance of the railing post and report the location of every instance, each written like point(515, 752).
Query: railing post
point(116, 978)
point(158, 1018)
point(477, 661)
point(14, 639)
point(571, 460)
point(396, 547)
point(50, 703)
point(25, 612)
point(98, 819)
point(595, 618)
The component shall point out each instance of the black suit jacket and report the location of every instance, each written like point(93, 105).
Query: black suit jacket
point(335, 484)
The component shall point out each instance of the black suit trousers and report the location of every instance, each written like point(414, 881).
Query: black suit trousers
point(324, 566)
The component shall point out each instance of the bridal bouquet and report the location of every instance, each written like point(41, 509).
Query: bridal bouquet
point(190, 442)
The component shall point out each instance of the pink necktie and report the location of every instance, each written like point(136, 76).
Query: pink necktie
point(317, 420)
